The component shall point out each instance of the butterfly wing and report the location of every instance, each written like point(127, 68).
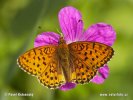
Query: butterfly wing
point(53, 76)
point(87, 57)
point(41, 60)
point(81, 72)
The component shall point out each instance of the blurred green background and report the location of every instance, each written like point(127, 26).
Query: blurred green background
point(19, 22)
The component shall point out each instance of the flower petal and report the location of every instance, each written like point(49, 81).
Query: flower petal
point(71, 23)
point(100, 32)
point(68, 86)
point(46, 38)
point(103, 74)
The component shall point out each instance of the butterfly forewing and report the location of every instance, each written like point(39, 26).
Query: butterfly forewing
point(87, 57)
point(92, 53)
point(36, 60)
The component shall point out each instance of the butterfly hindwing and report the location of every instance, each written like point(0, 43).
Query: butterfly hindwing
point(52, 77)
point(81, 72)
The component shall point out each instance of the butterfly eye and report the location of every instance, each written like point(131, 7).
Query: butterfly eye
point(61, 41)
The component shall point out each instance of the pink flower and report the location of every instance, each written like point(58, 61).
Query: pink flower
point(71, 25)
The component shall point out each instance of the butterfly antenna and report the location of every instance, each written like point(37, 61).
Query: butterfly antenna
point(60, 33)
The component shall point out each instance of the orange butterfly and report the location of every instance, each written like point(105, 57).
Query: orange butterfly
point(76, 62)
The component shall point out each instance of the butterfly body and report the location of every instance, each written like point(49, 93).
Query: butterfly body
point(64, 56)
point(55, 65)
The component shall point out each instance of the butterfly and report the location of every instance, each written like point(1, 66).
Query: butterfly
point(54, 65)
